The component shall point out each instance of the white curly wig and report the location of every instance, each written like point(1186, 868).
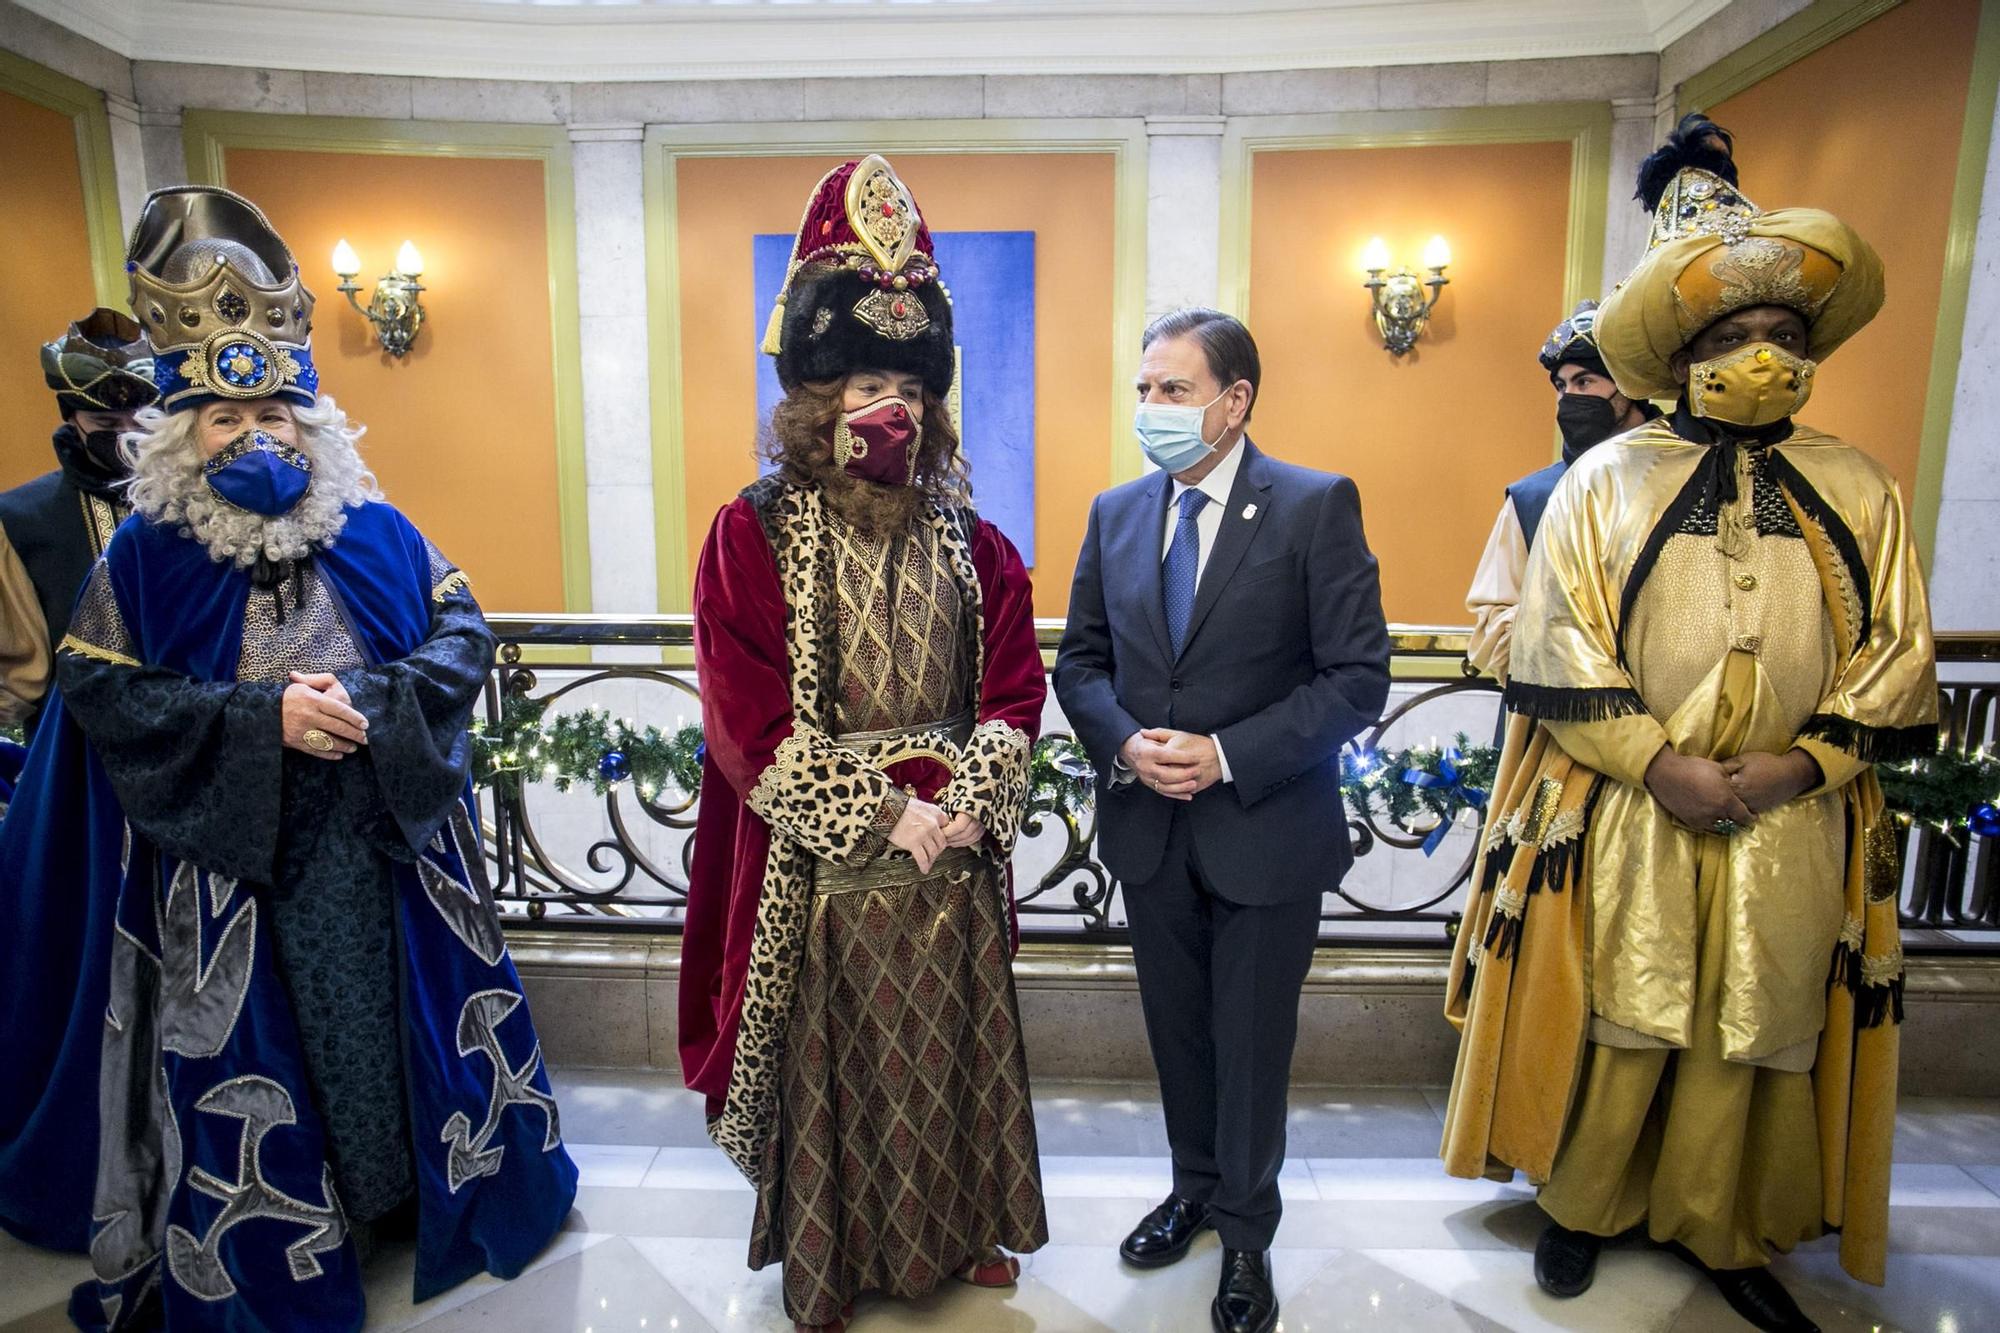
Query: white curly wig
point(167, 485)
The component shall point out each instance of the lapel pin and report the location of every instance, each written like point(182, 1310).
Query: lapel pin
point(1250, 511)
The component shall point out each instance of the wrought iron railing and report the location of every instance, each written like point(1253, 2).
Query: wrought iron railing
point(620, 861)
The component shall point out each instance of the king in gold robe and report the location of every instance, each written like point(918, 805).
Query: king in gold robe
point(1691, 1026)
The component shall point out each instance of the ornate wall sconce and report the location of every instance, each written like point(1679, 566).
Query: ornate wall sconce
point(394, 310)
point(1401, 308)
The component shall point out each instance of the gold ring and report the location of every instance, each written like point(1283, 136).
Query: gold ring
point(318, 741)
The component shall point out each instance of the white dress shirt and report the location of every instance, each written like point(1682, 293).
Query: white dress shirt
point(1207, 524)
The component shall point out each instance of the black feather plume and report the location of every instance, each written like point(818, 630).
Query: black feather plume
point(1696, 142)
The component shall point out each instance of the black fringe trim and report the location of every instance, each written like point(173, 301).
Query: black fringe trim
point(1873, 745)
point(1873, 1005)
point(1503, 936)
point(1498, 862)
point(1556, 703)
point(1465, 981)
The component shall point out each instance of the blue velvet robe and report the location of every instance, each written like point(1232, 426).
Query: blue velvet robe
point(215, 1183)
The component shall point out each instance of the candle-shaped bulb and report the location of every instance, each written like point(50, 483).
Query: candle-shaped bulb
point(345, 262)
point(408, 262)
point(1437, 254)
point(1375, 257)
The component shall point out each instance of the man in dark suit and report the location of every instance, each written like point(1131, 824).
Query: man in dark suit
point(1225, 639)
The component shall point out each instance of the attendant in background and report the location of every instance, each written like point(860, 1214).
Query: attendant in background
point(1225, 640)
point(1589, 411)
point(53, 527)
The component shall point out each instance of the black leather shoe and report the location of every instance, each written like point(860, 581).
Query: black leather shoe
point(1245, 1303)
point(1566, 1261)
point(1755, 1294)
point(1164, 1234)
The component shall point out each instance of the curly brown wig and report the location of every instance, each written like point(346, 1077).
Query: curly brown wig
point(799, 441)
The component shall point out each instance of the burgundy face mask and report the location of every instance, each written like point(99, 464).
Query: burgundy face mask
point(879, 442)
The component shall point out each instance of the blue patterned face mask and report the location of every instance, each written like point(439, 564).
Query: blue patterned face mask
point(259, 472)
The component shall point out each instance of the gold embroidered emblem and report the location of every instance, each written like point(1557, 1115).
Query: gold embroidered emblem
point(882, 213)
point(899, 316)
point(1548, 796)
point(822, 321)
point(1761, 270)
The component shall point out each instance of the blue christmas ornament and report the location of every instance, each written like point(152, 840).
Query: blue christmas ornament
point(701, 753)
point(614, 767)
point(1985, 820)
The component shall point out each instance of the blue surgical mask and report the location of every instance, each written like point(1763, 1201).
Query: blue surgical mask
point(259, 472)
point(1171, 434)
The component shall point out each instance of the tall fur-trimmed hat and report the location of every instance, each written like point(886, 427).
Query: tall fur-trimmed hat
point(217, 291)
point(103, 364)
point(1712, 253)
point(863, 289)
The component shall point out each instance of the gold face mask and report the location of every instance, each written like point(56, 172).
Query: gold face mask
point(1752, 386)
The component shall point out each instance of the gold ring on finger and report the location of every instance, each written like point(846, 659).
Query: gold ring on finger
point(318, 741)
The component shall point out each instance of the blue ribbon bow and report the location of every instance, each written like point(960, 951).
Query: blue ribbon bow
point(1457, 793)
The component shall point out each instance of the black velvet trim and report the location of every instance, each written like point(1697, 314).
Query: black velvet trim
point(1556, 703)
point(1836, 530)
point(1872, 745)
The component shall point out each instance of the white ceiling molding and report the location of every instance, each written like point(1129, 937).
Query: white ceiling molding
point(622, 40)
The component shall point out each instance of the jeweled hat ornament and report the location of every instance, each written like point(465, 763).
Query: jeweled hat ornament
point(1574, 342)
point(862, 291)
point(103, 364)
point(218, 293)
point(1712, 253)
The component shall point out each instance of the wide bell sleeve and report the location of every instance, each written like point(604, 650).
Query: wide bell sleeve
point(1565, 669)
point(1883, 706)
point(197, 765)
point(791, 775)
point(990, 779)
point(417, 709)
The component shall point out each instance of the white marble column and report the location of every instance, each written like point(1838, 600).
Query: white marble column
point(1183, 211)
point(161, 151)
point(617, 408)
point(1965, 561)
point(128, 155)
point(1625, 224)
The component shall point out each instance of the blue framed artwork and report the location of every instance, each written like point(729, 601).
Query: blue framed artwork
point(992, 279)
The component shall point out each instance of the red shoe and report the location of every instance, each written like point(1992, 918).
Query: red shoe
point(997, 1269)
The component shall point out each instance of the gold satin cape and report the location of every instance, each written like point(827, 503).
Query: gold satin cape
point(1521, 984)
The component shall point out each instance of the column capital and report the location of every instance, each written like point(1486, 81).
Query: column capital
point(123, 108)
point(607, 131)
point(1185, 126)
point(1634, 108)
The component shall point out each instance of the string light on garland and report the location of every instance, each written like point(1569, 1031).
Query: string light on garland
point(1951, 791)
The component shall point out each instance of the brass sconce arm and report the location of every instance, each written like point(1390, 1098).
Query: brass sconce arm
point(395, 309)
point(1399, 298)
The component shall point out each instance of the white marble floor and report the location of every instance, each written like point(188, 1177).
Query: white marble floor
point(1375, 1236)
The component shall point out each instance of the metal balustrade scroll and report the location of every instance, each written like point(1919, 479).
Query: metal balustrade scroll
point(621, 861)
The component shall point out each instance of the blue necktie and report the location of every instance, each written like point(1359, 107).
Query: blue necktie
point(1177, 575)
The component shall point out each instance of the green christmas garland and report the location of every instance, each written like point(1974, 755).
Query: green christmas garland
point(593, 749)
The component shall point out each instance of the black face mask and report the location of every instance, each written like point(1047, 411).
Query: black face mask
point(90, 459)
point(1585, 419)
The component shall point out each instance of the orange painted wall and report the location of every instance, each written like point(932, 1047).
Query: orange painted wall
point(1065, 199)
point(45, 278)
point(462, 430)
point(1431, 438)
point(1884, 108)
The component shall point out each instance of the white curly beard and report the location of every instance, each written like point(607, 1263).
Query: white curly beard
point(167, 486)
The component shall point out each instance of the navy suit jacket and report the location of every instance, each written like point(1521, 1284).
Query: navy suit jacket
point(1286, 660)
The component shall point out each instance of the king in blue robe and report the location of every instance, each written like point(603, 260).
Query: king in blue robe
point(312, 1036)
